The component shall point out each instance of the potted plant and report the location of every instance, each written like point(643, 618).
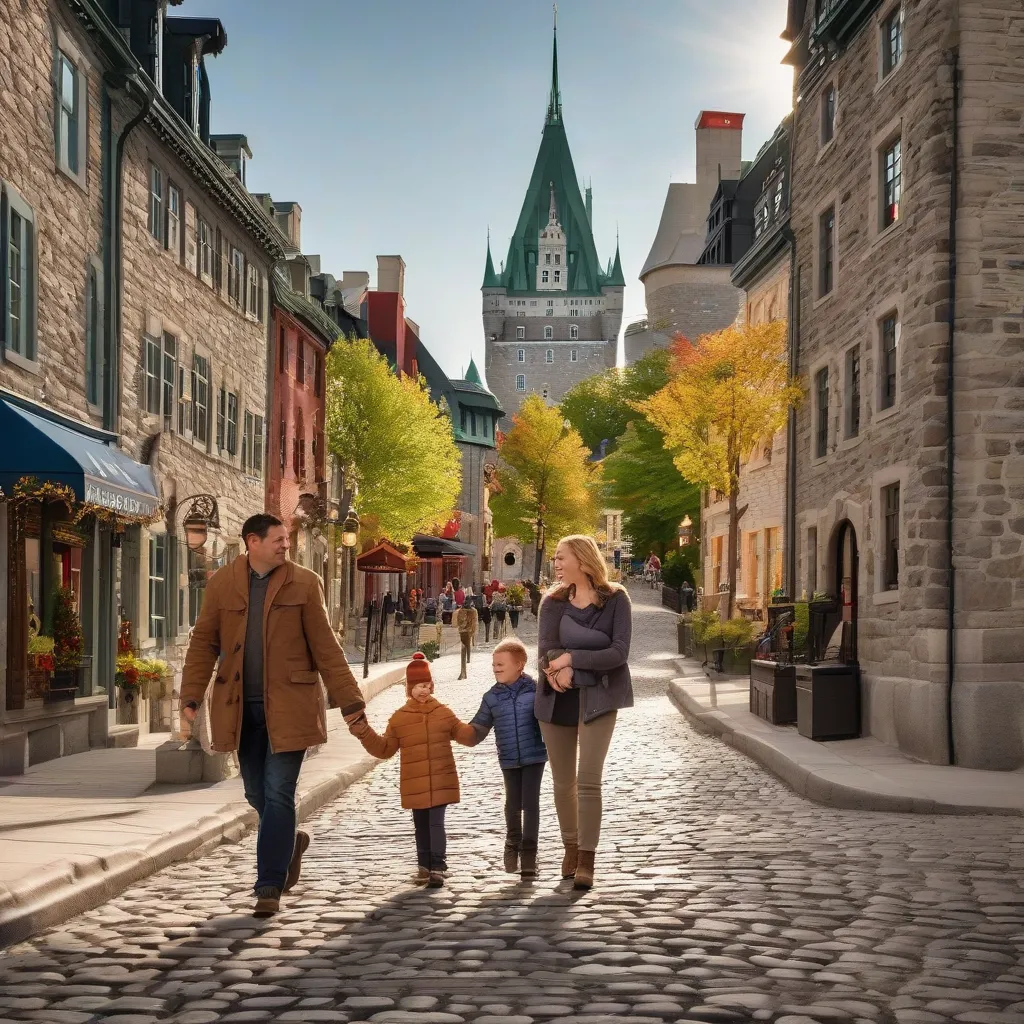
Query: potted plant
point(68, 646)
point(40, 666)
point(128, 677)
point(736, 636)
point(152, 675)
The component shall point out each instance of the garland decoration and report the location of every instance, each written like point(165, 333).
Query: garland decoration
point(31, 488)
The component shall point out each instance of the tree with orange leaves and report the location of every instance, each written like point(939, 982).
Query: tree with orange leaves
point(728, 393)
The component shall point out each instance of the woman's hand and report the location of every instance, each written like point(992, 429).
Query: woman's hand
point(562, 661)
point(560, 678)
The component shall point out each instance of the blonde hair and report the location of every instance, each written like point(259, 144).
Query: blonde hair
point(593, 565)
point(513, 645)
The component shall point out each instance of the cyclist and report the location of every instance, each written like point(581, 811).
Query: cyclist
point(652, 568)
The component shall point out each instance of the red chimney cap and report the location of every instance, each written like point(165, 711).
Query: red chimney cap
point(720, 119)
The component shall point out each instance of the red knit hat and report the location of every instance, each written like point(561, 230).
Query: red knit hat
point(417, 671)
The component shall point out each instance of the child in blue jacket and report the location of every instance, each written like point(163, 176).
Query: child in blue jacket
point(507, 707)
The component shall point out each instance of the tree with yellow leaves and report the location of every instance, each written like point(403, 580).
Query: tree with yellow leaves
point(395, 443)
point(728, 393)
point(546, 483)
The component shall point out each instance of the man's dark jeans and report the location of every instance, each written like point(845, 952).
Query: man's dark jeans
point(269, 781)
point(431, 839)
point(522, 805)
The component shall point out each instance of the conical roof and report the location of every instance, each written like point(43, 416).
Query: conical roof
point(473, 374)
point(491, 279)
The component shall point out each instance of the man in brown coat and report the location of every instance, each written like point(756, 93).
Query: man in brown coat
point(466, 622)
point(265, 630)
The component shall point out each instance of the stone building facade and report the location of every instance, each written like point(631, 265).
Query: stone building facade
point(194, 331)
point(552, 314)
point(908, 218)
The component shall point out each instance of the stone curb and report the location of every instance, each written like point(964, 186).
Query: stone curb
point(804, 780)
point(63, 890)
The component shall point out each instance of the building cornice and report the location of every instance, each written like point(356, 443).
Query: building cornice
point(761, 255)
point(124, 70)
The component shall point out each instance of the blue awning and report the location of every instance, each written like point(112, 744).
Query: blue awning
point(87, 460)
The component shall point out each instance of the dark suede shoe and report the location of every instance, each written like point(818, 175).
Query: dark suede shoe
point(295, 867)
point(268, 901)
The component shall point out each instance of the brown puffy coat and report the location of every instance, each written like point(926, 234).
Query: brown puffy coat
point(423, 733)
point(299, 648)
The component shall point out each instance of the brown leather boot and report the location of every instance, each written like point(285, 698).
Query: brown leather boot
point(569, 861)
point(584, 870)
point(528, 862)
point(511, 858)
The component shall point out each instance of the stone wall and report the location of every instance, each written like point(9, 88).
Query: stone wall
point(691, 300)
point(163, 293)
point(68, 212)
point(900, 270)
point(988, 696)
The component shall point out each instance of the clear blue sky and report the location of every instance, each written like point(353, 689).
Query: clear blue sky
point(410, 126)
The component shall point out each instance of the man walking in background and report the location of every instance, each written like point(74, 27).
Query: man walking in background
point(264, 626)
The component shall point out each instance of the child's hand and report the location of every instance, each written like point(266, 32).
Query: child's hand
point(359, 727)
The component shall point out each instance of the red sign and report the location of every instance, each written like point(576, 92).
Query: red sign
point(452, 527)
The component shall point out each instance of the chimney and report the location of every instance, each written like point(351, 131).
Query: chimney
point(719, 148)
point(391, 274)
point(355, 279)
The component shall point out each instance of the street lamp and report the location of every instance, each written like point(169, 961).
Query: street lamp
point(201, 517)
point(350, 529)
point(685, 531)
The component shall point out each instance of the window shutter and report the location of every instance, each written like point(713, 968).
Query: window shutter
point(218, 262)
point(189, 228)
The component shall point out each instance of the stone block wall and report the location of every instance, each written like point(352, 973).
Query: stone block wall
point(901, 270)
point(691, 300)
point(68, 212)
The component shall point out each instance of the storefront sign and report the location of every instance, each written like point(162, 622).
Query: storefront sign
point(65, 533)
point(98, 493)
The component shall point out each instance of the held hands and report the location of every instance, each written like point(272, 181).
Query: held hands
point(357, 724)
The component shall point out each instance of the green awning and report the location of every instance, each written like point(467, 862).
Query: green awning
point(81, 457)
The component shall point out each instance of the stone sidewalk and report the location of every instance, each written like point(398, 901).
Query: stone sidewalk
point(859, 774)
point(78, 830)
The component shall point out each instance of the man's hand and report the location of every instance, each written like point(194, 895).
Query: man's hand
point(358, 726)
point(354, 716)
point(189, 714)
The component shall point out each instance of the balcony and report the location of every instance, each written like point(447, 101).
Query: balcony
point(838, 21)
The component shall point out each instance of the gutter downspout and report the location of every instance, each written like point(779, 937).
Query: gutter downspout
point(112, 395)
point(789, 538)
point(951, 409)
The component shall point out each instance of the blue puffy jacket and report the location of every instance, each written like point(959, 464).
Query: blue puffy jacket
point(508, 709)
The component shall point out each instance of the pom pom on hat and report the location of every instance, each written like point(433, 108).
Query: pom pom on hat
point(418, 671)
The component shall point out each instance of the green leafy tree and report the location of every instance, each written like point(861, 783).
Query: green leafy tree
point(546, 483)
point(397, 445)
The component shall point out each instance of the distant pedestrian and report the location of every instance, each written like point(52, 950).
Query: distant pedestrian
point(264, 627)
point(466, 623)
point(686, 595)
point(584, 638)
point(498, 610)
point(458, 593)
point(423, 730)
point(484, 609)
point(507, 707)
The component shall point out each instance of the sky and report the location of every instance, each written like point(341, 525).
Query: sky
point(412, 126)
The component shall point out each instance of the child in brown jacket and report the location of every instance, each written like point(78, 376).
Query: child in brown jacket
point(423, 730)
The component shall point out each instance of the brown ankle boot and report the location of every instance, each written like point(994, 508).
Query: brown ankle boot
point(511, 858)
point(569, 861)
point(528, 862)
point(584, 870)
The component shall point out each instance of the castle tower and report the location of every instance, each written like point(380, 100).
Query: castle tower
point(552, 313)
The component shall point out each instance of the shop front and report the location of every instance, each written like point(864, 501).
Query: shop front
point(67, 496)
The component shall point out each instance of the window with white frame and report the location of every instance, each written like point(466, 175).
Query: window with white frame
point(160, 369)
point(158, 586)
point(521, 355)
point(173, 239)
point(549, 355)
point(235, 271)
point(70, 86)
point(891, 181)
point(520, 382)
point(574, 356)
point(821, 413)
point(222, 418)
point(888, 360)
point(257, 447)
point(890, 502)
point(232, 426)
point(254, 293)
point(852, 392)
point(558, 260)
point(892, 40)
point(574, 312)
point(544, 276)
point(19, 247)
point(204, 248)
point(200, 398)
point(156, 202)
point(549, 333)
point(558, 276)
point(574, 332)
point(520, 332)
point(547, 258)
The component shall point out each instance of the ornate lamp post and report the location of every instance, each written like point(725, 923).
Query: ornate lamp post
point(685, 532)
point(349, 539)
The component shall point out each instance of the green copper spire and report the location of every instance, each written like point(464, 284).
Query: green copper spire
point(473, 374)
point(491, 279)
point(616, 277)
point(555, 100)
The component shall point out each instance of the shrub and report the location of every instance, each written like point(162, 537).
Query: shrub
point(737, 632)
point(704, 624)
point(801, 626)
point(431, 649)
point(676, 570)
point(515, 595)
point(68, 638)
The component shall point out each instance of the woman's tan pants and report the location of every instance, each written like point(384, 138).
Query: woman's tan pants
point(578, 789)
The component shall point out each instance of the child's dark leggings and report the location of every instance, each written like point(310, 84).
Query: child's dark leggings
point(522, 805)
point(431, 840)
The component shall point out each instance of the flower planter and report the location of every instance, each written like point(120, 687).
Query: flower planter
point(128, 700)
point(773, 692)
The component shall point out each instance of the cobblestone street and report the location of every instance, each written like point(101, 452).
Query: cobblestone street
point(720, 896)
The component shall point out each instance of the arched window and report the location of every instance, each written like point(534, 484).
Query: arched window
point(549, 356)
point(549, 333)
point(574, 332)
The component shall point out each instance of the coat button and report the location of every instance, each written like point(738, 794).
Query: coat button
point(238, 647)
point(238, 675)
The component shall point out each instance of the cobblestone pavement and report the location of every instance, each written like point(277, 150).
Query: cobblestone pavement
point(721, 896)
